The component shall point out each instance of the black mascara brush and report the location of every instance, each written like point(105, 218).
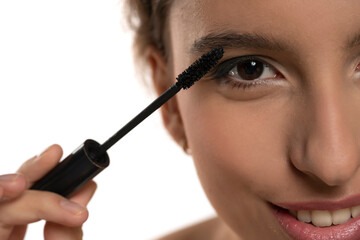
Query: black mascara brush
point(91, 158)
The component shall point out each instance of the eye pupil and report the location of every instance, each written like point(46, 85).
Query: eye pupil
point(250, 70)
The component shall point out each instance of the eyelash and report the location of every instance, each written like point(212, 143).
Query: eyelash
point(223, 72)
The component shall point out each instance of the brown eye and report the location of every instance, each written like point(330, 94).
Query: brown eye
point(250, 70)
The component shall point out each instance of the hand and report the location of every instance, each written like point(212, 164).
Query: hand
point(20, 206)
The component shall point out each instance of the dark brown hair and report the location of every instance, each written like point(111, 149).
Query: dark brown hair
point(148, 19)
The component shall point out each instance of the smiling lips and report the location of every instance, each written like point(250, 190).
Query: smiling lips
point(320, 219)
point(325, 218)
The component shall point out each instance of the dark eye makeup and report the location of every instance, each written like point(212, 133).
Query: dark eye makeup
point(244, 72)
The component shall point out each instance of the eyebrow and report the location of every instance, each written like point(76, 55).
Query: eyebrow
point(237, 40)
point(252, 41)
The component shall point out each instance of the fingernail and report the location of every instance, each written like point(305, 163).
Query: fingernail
point(9, 177)
point(37, 157)
point(72, 207)
point(42, 153)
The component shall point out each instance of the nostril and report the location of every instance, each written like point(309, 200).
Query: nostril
point(330, 169)
point(332, 174)
point(333, 160)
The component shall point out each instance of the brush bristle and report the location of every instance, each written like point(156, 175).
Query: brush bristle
point(199, 68)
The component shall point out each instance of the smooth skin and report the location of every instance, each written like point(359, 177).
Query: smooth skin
point(296, 140)
point(293, 141)
point(20, 206)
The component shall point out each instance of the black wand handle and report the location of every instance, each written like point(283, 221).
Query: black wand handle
point(75, 170)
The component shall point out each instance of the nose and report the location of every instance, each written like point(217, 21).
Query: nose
point(328, 149)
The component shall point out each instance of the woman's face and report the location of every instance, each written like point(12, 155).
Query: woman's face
point(277, 131)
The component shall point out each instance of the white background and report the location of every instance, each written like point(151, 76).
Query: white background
point(66, 74)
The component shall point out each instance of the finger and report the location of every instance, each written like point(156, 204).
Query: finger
point(84, 195)
point(38, 205)
point(53, 231)
point(5, 231)
point(37, 167)
point(11, 185)
point(18, 232)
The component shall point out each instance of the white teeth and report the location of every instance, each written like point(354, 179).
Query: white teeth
point(324, 218)
point(341, 216)
point(355, 211)
point(321, 218)
point(304, 216)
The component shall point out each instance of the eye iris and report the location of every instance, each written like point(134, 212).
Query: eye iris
point(250, 70)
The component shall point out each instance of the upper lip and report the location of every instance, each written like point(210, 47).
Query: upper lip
point(348, 202)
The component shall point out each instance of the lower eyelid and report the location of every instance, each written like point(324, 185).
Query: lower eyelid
point(278, 80)
point(236, 83)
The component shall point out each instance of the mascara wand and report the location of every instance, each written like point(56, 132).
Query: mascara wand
point(91, 158)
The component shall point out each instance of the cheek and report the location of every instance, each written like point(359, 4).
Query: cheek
point(238, 148)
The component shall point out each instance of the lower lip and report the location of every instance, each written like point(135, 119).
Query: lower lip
point(304, 231)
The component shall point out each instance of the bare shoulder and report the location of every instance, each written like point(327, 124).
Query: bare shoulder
point(200, 231)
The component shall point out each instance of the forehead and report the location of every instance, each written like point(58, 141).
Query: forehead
point(300, 21)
